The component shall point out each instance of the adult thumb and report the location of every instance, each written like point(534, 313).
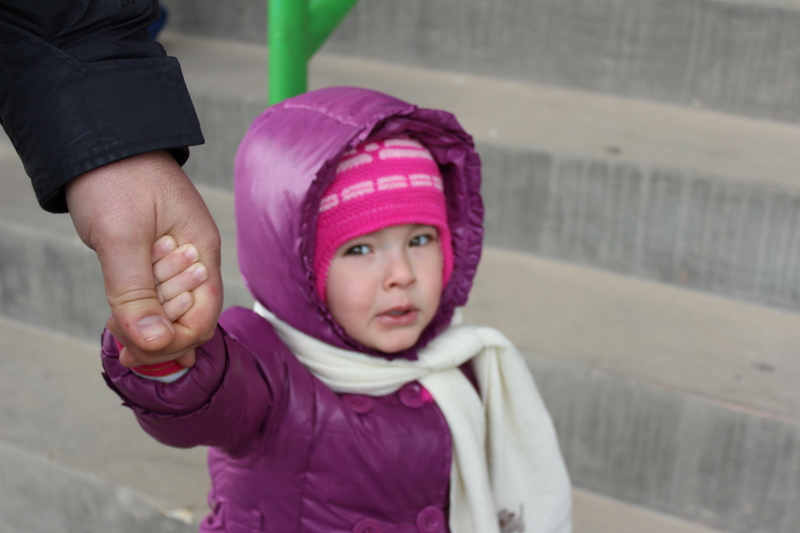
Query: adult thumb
point(113, 208)
point(137, 316)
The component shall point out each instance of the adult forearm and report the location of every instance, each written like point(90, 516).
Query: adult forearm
point(82, 87)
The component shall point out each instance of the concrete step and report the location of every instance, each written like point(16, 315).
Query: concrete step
point(45, 496)
point(63, 428)
point(737, 56)
point(665, 398)
point(72, 459)
point(684, 196)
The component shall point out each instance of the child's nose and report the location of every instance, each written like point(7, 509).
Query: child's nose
point(399, 272)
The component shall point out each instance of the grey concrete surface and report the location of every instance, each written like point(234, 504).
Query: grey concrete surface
point(598, 514)
point(42, 496)
point(727, 351)
point(731, 55)
point(729, 467)
point(733, 238)
point(495, 110)
point(55, 404)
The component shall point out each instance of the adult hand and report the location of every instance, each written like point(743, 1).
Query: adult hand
point(119, 211)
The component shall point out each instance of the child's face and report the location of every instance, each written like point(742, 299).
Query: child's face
point(383, 288)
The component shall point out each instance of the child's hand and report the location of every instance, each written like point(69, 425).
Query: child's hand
point(177, 273)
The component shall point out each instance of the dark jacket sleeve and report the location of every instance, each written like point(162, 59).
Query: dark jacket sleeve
point(82, 86)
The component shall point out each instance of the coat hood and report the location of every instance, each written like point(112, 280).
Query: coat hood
point(285, 163)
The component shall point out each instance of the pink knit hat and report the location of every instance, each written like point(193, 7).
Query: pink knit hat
point(380, 184)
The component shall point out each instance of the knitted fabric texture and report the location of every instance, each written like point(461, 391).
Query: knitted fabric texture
point(380, 184)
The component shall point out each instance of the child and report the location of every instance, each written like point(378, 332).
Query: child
point(351, 398)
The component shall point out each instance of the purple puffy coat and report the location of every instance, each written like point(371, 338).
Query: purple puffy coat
point(288, 454)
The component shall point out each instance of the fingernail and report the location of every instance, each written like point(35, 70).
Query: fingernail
point(153, 327)
point(185, 299)
point(200, 273)
point(191, 253)
point(167, 243)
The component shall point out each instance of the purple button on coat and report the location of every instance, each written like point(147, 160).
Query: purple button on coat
point(431, 520)
point(287, 453)
point(411, 395)
point(358, 403)
point(368, 525)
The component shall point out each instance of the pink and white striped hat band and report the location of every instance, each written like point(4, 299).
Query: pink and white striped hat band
point(380, 184)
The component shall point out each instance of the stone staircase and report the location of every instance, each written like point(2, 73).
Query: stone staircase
point(643, 220)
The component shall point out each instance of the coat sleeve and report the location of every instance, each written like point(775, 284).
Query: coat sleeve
point(226, 400)
point(81, 86)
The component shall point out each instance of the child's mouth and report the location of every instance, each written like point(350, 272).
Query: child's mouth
point(399, 316)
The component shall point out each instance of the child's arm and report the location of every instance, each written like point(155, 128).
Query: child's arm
point(227, 399)
point(223, 399)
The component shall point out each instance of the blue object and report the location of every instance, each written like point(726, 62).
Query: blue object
point(156, 27)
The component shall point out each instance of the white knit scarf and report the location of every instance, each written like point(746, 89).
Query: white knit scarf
point(507, 473)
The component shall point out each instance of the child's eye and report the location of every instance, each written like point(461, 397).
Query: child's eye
point(421, 240)
point(358, 249)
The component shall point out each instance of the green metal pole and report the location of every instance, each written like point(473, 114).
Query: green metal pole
point(324, 16)
point(297, 29)
point(288, 45)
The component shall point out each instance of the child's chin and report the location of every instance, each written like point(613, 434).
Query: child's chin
point(395, 345)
